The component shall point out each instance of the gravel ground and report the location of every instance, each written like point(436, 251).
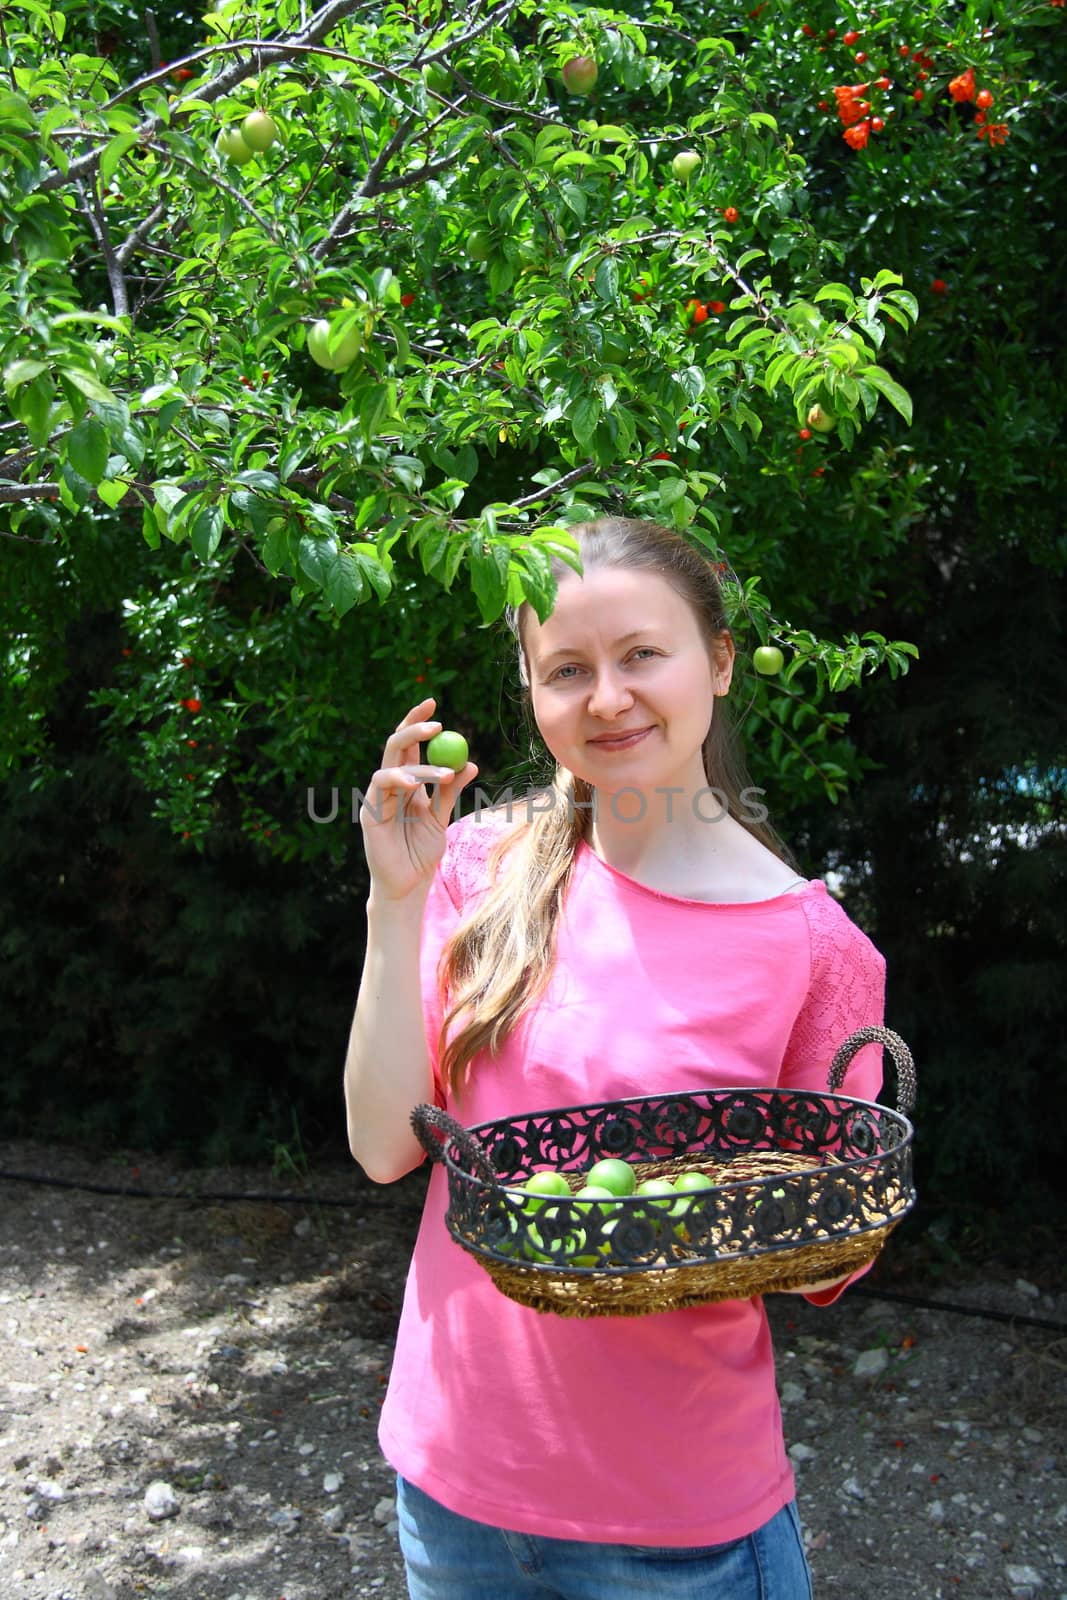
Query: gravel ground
point(190, 1390)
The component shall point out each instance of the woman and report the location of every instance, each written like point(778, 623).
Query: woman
point(636, 930)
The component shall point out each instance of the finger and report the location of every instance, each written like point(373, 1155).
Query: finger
point(443, 796)
point(407, 778)
point(404, 741)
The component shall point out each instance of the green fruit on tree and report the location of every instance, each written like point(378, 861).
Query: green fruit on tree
point(337, 355)
point(233, 146)
point(258, 130)
point(479, 245)
point(685, 164)
point(579, 74)
point(821, 420)
point(447, 749)
point(768, 660)
point(437, 77)
point(612, 1174)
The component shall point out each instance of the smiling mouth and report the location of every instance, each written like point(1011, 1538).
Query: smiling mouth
point(621, 741)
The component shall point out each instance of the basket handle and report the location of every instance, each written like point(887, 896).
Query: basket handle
point(902, 1060)
point(434, 1129)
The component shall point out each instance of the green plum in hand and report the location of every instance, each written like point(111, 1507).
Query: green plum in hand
point(448, 749)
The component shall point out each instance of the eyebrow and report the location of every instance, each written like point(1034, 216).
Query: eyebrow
point(576, 650)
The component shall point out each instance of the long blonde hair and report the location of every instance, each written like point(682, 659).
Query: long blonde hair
point(500, 958)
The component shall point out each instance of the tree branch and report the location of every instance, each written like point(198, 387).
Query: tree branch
point(27, 491)
point(566, 482)
point(132, 240)
point(153, 39)
point(98, 223)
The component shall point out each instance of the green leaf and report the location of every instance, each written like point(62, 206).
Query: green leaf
point(206, 531)
point(879, 379)
point(374, 407)
point(373, 568)
point(20, 372)
point(112, 490)
point(32, 405)
point(276, 555)
point(574, 197)
point(670, 490)
point(87, 383)
point(489, 579)
point(87, 449)
point(344, 583)
point(840, 293)
point(316, 557)
point(74, 490)
point(584, 417)
point(113, 154)
point(606, 282)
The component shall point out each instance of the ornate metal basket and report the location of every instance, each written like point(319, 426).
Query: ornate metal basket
point(806, 1186)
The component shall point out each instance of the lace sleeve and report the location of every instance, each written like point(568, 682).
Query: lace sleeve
point(464, 867)
point(846, 991)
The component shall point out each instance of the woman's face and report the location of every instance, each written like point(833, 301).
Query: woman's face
point(621, 680)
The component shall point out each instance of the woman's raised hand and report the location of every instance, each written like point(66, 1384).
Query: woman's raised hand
point(403, 822)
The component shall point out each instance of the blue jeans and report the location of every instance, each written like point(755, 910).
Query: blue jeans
point(449, 1557)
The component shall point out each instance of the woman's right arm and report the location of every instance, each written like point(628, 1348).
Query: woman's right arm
point(387, 1068)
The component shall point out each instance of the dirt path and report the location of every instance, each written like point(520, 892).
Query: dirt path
point(233, 1354)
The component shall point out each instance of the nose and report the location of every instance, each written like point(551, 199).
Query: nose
point(610, 695)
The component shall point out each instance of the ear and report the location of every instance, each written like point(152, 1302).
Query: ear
point(723, 651)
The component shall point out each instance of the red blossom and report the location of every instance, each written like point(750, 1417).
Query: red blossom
point(850, 108)
point(856, 137)
point(730, 213)
point(717, 307)
point(983, 99)
point(850, 37)
point(963, 88)
point(407, 300)
point(995, 132)
point(939, 286)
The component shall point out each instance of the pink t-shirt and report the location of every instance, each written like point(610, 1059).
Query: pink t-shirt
point(660, 1429)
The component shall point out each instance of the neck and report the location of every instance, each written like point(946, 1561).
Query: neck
point(672, 823)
